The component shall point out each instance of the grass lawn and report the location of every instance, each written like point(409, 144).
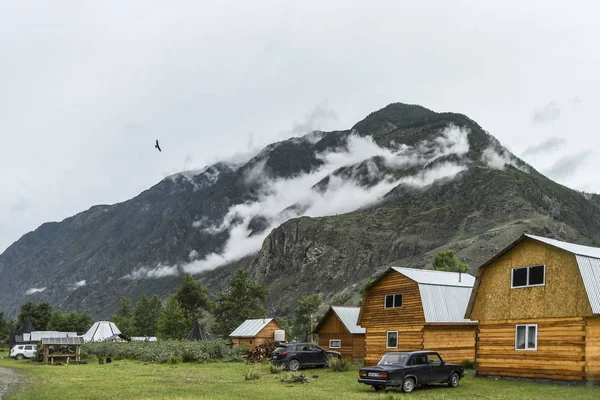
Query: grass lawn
point(135, 380)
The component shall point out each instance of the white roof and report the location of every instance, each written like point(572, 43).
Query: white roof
point(250, 327)
point(349, 317)
point(444, 295)
point(570, 247)
point(100, 331)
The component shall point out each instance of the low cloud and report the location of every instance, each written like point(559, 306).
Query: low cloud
point(338, 196)
point(80, 284)
point(498, 158)
point(566, 166)
point(35, 290)
point(546, 146)
point(20, 204)
point(316, 119)
point(550, 112)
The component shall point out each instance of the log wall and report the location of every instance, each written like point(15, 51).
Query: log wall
point(592, 349)
point(455, 343)
point(267, 334)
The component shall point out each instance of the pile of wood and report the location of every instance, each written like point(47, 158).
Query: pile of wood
point(261, 352)
point(295, 379)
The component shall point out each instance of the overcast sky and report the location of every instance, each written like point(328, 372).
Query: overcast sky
point(87, 86)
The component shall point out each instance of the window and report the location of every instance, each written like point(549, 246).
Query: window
point(526, 337)
point(434, 359)
point(419, 359)
point(28, 347)
point(528, 276)
point(335, 344)
point(392, 340)
point(393, 300)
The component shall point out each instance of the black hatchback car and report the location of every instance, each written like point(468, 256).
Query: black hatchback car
point(300, 355)
point(411, 369)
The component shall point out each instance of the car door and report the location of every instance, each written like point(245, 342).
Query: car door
point(421, 368)
point(319, 353)
point(437, 372)
point(314, 355)
point(28, 351)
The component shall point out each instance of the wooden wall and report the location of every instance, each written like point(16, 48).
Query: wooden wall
point(592, 349)
point(560, 354)
point(267, 334)
point(408, 320)
point(455, 343)
point(563, 295)
point(330, 327)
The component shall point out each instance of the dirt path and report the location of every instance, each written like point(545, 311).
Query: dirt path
point(9, 380)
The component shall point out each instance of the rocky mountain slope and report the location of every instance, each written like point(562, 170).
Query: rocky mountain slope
point(321, 213)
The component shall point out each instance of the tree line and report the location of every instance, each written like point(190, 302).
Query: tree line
point(244, 299)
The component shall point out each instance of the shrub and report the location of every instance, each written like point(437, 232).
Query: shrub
point(338, 364)
point(468, 364)
point(276, 369)
point(252, 374)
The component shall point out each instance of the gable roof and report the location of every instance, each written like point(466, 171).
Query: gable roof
point(588, 261)
point(348, 316)
point(251, 327)
point(444, 295)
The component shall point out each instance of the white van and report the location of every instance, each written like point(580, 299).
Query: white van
point(22, 351)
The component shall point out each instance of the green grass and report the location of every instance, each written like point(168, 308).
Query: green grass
point(218, 380)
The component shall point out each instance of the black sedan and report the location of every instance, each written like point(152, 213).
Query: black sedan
point(408, 370)
point(299, 355)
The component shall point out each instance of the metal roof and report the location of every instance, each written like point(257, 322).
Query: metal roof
point(570, 247)
point(250, 327)
point(443, 304)
point(349, 317)
point(590, 273)
point(63, 340)
point(431, 277)
point(100, 331)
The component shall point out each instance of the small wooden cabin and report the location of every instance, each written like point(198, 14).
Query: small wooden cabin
point(408, 309)
point(254, 332)
point(338, 331)
point(538, 306)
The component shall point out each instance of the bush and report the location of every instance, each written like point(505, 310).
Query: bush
point(338, 364)
point(254, 373)
point(276, 369)
point(163, 350)
point(468, 364)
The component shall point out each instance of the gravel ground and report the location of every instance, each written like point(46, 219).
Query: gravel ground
point(9, 380)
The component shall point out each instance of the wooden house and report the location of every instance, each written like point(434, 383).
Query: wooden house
point(408, 309)
point(254, 332)
point(338, 331)
point(537, 303)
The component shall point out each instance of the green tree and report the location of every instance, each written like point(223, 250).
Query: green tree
point(447, 261)
point(145, 316)
point(341, 299)
point(173, 323)
point(70, 322)
point(306, 315)
point(4, 333)
point(39, 314)
point(123, 316)
point(193, 298)
point(244, 300)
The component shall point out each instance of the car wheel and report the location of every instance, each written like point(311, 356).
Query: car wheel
point(19, 357)
point(454, 380)
point(409, 385)
point(293, 365)
point(379, 388)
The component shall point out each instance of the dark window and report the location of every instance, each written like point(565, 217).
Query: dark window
point(392, 339)
point(434, 359)
point(526, 337)
point(419, 360)
point(335, 344)
point(393, 300)
point(528, 276)
point(28, 348)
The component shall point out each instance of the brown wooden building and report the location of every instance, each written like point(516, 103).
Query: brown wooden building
point(408, 309)
point(538, 306)
point(339, 331)
point(254, 332)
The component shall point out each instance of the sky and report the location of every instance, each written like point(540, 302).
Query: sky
point(86, 87)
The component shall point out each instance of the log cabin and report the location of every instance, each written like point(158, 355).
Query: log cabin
point(538, 304)
point(338, 331)
point(254, 332)
point(408, 309)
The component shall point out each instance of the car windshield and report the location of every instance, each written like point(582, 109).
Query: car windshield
point(280, 349)
point(393, 359)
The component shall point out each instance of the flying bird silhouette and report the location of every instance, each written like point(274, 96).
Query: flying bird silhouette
point(157, 146)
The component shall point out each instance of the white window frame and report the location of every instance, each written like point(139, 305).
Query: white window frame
point(335, 340)
point(393, 301)
point(387, 339)
point(527, 285)
point(527, 326)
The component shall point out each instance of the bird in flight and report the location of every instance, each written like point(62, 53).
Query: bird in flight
point(157, 146)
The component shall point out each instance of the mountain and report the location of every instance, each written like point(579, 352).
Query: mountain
point(320, 213)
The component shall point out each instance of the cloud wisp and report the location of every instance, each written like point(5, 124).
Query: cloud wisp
point(283, 199)
point(35, 290)
point(567, 166)
point(550, 112)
